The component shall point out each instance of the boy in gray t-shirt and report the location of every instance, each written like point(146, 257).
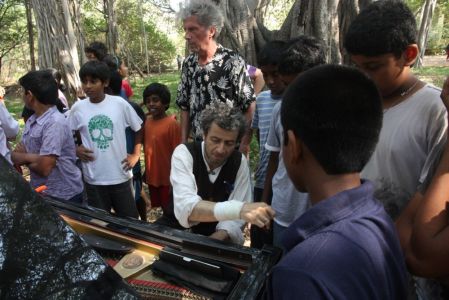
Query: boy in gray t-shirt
point(382, 41)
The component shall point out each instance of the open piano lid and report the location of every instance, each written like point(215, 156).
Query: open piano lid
point(42, 257)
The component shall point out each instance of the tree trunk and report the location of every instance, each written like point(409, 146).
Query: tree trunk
point(145, 38)
point(347, 11)
point(112, 34)
point(327, 20)
point(30, 34)
point(426, 22)
point(57, 42)
point(75, 7)
point(238, 32)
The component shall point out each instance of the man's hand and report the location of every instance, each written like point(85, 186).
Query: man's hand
point(20, 148)
point(80, 93)
point(221, 235)
point(445, 93)
point(84, 154)
point(130, 161)
point(257, 213)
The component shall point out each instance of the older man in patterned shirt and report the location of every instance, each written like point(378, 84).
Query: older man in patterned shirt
point(211, 72)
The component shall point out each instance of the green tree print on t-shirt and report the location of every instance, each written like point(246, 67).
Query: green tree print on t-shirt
point(101, 131)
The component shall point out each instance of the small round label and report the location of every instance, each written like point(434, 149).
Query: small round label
point(133, 261)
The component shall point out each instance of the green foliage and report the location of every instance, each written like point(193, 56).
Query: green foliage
point(13, 25)
point(276, 12)
point(439, 32)
point(433, 75)
point(93, 21)
point(130, 20)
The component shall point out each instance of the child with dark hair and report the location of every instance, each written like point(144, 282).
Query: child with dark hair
point(47, 147)
point(116, 64)
point(101, 120)
point(58, 77)
point(96, 51)
point(126, 87)
point(61, 104)
point(300, 55)
point(345, 246)
point(303, 53)
point(382, 41)
point(162, 134)
point(414, 117)
point(267, 61)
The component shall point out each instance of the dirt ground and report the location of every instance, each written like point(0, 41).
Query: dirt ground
point(436, 61)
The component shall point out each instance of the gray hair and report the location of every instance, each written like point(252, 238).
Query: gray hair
point(225, 115)
point(206, 11)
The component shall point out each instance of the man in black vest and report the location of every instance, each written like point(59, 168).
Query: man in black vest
point(211, 180)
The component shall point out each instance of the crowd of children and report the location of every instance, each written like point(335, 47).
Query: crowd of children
point(332, 142)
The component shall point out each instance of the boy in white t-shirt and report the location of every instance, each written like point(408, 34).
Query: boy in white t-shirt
point(100, 121)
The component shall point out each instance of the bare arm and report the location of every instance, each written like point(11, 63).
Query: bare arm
point(426, 244)
point(255, 213)
point(258, 82)
point(428, 247)
point(130, 161)
point(271, 170)
point(246, 139)
point(185, 125)
point(40, 164)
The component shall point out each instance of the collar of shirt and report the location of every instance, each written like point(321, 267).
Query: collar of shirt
point(42, 118)
point(217, 56)
point(329, 211)
point(213, 174)
point(276, 97)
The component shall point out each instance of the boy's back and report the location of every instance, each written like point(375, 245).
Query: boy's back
point(344, 247)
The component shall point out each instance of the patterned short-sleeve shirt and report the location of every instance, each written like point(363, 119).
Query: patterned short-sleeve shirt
point(223, 78)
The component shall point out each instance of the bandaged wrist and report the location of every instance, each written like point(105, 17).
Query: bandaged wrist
point(228, 210)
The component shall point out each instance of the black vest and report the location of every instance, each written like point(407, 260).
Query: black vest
point(218, 191)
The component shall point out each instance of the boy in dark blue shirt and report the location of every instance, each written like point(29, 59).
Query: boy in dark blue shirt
point(345, 246)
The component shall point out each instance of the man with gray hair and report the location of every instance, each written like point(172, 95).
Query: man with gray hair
point(211, 72)
point(211, 180)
